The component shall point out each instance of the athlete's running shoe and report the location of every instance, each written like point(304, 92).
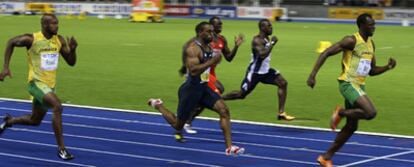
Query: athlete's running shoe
point(336, 118)
point(323, 162)
point(179, 137)
point(189, 129)
point(65, 155)
point(154, 102)
point(284, 116)
point(234, 151)
point(4, 125)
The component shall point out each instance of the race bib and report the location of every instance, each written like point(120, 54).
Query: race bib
point(49, 61)
point(364, 67)
point(205, 75)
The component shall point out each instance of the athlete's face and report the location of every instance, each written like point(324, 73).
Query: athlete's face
point(207, 33)
point(267, 28)
point(50, 25)
point(217, 25)
point(369, 27)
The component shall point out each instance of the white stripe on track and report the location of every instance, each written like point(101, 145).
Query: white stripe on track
point(378, 158)
point(163, 146)
point(111, 153)
point(43, 160)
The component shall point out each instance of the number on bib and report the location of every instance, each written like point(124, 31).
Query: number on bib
point(49, 61)
point(364, 67)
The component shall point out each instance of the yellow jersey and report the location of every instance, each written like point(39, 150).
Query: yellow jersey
point(356, 63)
point(43, 59)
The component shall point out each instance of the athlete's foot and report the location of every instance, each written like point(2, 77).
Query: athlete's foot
point(234, 151)
point(65, 155)
point(179, 137)
point(323, 162)
point(154, 102)
point(189, 129)
point(4, 125)
point(284, 116)
point(336, 118)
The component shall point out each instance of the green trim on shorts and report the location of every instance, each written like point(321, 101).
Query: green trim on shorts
point(351, 91)
point(38, 90)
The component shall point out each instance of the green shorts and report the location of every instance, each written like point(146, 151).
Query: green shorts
point(351, 92)
point(38, 90)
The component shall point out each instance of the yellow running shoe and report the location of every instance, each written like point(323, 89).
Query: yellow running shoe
point(284, 116)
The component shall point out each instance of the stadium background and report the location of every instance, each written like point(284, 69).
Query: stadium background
point(122, 64)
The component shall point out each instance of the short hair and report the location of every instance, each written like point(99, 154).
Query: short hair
point(43, 19)
point(362, 19)
point(261, 22)
point(213, 18)
point(200, 26)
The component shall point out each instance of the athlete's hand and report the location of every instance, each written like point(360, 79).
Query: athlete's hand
point(238, 40)
point(4, 73)
point(274, 40)
point(391, 63)
point(72, 43)
point(311, 82)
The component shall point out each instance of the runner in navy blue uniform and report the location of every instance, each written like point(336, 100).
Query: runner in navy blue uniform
point(259, 69)
point(198, 59)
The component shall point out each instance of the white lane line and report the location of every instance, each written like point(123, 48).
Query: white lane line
point(162, 146)
point(43, 160)
point(111, 153)
point(386, 47)
point(216, 130)
point(378, 158)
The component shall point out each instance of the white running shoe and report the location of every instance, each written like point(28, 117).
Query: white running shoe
point(189, 130)
point(234, 151)
point(154, 102)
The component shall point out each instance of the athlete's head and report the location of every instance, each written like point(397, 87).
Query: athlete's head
point(366, 24)
point(265, 27)
point(49, 24)
point(204, 31)
point(217, 24)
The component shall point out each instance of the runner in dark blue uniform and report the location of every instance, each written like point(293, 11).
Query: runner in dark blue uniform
point(198, 59)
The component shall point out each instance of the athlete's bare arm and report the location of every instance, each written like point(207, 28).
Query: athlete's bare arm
point(193, 54)
point(68, 50)
point(230, 54)
point(260, 48)
point(347, 43)
point(24, 40)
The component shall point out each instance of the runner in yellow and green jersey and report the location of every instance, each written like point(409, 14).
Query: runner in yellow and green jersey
point(44, 49)
point(358, 61)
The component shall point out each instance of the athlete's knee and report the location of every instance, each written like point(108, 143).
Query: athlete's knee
point(35, 122)
point(283, 84)
point(224, 112)
point(57, 108)
point(370, 115)
point(242, 95)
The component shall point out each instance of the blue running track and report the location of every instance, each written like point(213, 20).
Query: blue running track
point(106, 137)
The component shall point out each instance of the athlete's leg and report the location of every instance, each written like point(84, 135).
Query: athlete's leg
point(364, 109)
point(170, 117)
point(342, 137)
point(247, 86)
point(54, 102)
point(281, 92)
point(34, 119)
point(224, 114)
